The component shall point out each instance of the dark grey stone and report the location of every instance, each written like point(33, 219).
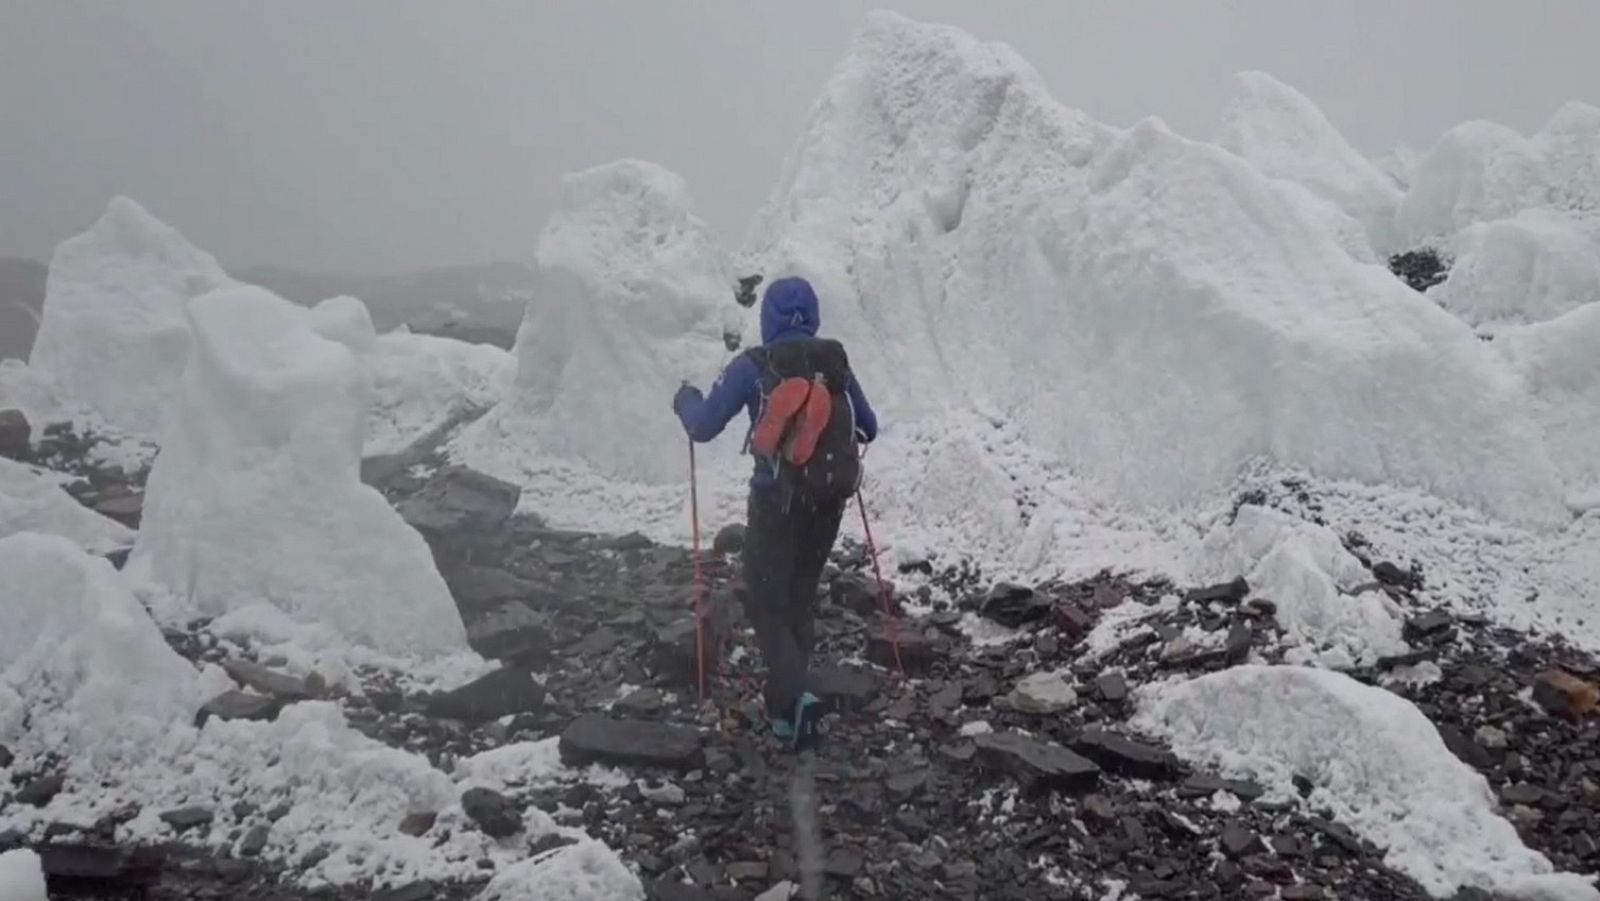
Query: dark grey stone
point(1111, 687)
point(185, 818)
point(15, 435)
point(1123, 755)
point(504, 692)
point(239, 705)
point(1014, 606)
point(494, 813)
point(1038, 765)
point(41, 791)
point(457, 500)
point(593, 738)
point(513, 632)
point(729, 540)
point(1225, 593)
point(844, 689)
point(477, 588)
point(254, 841)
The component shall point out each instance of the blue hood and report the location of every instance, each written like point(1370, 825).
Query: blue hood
point(789, 310)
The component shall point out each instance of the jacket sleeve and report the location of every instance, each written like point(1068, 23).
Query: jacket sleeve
point(704, 418)
point(866, 419)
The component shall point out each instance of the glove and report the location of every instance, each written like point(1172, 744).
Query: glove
point(686, 392)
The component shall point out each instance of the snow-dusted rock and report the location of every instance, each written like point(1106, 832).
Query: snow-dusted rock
point(256, 495)
point(1303, 568)
point(1154, 310)
point(1374, 760)
point(113, 335)
point(32, 500)
point(628, 304)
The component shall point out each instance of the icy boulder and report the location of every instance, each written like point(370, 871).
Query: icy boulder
point(33, 501)
point(83, 669)
point(1305, 570)
point(256, 495)
point(113, 335)
point(1374, 760)
point(1559, 362)
point(1155, 311)
point(627, 304)
point(1528, 268)
point(1286, 136)
point(419, 382)
point(1481, 172)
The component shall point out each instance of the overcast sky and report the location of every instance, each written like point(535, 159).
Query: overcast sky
point(384, 135)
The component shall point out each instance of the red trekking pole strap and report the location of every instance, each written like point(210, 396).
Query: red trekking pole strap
point(699, 578)
point(890, 626)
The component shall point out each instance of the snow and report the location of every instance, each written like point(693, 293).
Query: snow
point(256, 495)
point(1283, 134)
point(1173, 315)
point(586, 871)
point(32, 500)
point(1560, 367)
point(21, 876)
point(630, 288)
point(1304, 568)
point(1480, 172)
point(345, 319)
point(1531, 267)
point(1376, 762)
point(82, 666)
point(419, 382)
point(527, 762)
point(113, 335)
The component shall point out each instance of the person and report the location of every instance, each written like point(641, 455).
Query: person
point(794, 511)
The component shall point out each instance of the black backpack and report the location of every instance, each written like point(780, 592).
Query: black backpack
point(805, 428)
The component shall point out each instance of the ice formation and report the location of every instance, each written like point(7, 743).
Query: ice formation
point(1531, 267)
point(1154, 310)
point(420, 381)
point(256, 494)
point(345, 319)
point(33, 501)
point(1559, 362)
point(1304, 569)
point(628, 303)
point(82, 665)
point(1481, 172)
point(1376, 762)
point(113, 335)
point(1285, 135)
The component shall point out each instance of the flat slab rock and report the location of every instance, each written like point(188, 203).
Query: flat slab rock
point(504, 692)
point(1039, 765)
point(594, 738)
point(267, 681)
point(461, 499)
point(1123, 755)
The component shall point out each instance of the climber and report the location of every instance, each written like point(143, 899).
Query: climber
point(808, 415)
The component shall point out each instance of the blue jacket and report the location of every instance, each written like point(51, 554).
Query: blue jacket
point(789, 311)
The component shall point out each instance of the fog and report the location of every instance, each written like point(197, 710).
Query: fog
point(384, 136)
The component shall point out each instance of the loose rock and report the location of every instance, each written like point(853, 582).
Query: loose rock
point(266, 681)
point(1564, 694)
point(493, 812)
point(1038, 765)
point(40, 792)
point(1225, 593)
point(239, 705)
point(15, 435)
point(185, 818)
point(504, 692)
point(1124, 755)
point(1014, 606)
point(1043, 693)
point(593, 738)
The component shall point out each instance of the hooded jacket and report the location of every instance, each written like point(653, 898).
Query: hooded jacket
point(789, 312)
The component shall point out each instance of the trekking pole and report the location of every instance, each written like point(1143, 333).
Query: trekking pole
point(699, 579)
point(890, 629)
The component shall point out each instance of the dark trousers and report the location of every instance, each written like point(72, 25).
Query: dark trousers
point(784, 553)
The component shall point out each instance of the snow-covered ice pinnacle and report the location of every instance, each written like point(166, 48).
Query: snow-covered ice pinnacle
point(113, 335)
point(1559, 362)
point(256, 496)
point(420, 381)
point(1303, 568)
point(1376, 762)
point(345, 319)
point(1481, 171)
point(84, 671)
point(1286, 136)
point(627, 304)
point(1531, 267)
point(1154, 310)
point(33, 501)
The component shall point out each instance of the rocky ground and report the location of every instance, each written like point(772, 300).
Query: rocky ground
point(995, 770)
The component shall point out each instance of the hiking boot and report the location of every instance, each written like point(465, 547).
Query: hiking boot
point(807, 716)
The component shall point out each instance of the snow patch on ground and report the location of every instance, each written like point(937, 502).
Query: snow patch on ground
point(113, 334)
point(21, 876)
point(1304, 569)
point(32, 500)
point(1376, 762)
point(631, 288)
point(83, 669)
point(256, 494)
point(1282, 133)
point(586, 871)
